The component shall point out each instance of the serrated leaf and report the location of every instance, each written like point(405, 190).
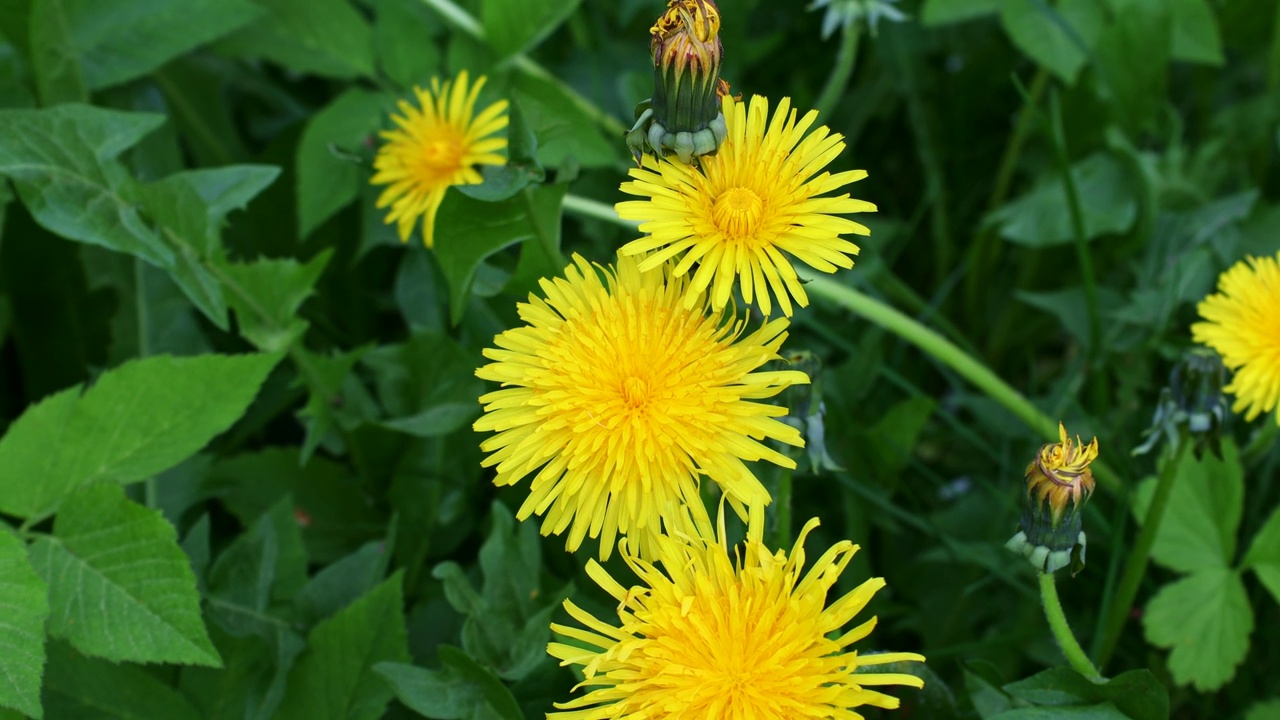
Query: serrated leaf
point(24, 605)
point(62, 162)
point(269, 293)
point(118, 40)
point(1196, 37)
point(1138, 694)
point(329, 169)
point(514, 26)
point(334, 679)
point(1198, 530)
point(1263, 557)
point(76, 686)
point(324, 37)
point(119, 585)
point(1205, 619)
point(1041, 218)
point(135, 421)
point(462, 690)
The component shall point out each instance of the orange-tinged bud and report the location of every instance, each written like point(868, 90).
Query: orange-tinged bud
point(1058, 484)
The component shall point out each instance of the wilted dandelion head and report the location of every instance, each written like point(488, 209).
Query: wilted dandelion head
point(618, 397)
point(744, 212)
point(436, 144)
point(739, 635)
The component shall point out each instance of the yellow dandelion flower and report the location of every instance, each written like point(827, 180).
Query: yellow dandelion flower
point(736, 213)
point(436, 146)
point(1242, 323)
point(623, 398)
point(706, 637)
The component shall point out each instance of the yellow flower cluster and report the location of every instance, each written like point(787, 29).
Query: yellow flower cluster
point(627, 385)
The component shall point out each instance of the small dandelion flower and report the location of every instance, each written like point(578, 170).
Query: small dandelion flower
point(437, 145)
point(708, 637)
point(618, 398)
point(760, 196)
point(1242, 323)
point(1058, 484)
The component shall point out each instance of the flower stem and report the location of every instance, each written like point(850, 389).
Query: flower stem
point(1062, 631)
point(1136, 566)
point(841, 71)
point(908, 329)
point(782, 531)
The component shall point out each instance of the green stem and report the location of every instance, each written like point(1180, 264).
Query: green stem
point(782, 533)
point(463, 20)
point(841, 71)
point(545, 241)
point(908, 329)
point(1136, 566)
point(1062, 631)
point(144, 320)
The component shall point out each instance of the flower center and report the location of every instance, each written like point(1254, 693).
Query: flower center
point(635, 393)
point(443, 155)
point(736, 212)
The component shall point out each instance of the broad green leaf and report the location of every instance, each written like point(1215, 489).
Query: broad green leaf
point(265, 564)
point(332, 400)
point(1205, 619)
point(1198, 530)
point(322, 37)
point(1137, 693)
point(330, 166)
point(334, 679)
point(1070, 307)
point(54, 62)
point(944, 12)
point(79, 687)
point(462, 690)
point(427, 384)
point(1266, 710)
point(119, 585)
point(118, 40)
point(24, 600)
point(513, 26)
point(268, 293)
point(1058, 37)
point(404, 36)
point(251, 685)
point(1195, 32)
point(135, 421)
point(342, 582)
point(1041, 217)
point(1100, 711)
point(564, 129)
point(1263, 557)
point(1132, 53)
point(62, 160)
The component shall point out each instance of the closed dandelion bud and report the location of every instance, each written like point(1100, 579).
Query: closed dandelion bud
point(683, 117)
point(1059, 483)
point(1192, 406)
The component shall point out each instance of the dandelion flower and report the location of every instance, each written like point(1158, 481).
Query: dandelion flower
point(619, 398)
point(1242, 323)
point(735, 214)
point(708, 637)
point(1058, 484)
point(436, 146)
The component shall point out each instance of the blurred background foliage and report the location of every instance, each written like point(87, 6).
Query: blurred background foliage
point(1058, 183)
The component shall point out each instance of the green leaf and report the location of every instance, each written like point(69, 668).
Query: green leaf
point(118, 40)
point(521, 169)
point(329, 166)
point(321, 37)
point(1195, 32)
point(1132, 53)
point(1100, 711)
point(514, 26)
point(427, 384)
point(268, 295)
point(1070, 307)
point(462, 690)
point(404, 33)
point(1263, 557)
point(24, 598)
point(62, 162)
point(1041, 218)
point(564, 130)
point(1138, 694)
point(1266, 710)
point(135, 421)
point(1198, 530)
point(251, 685)
point(89, 689)
point(119, 585)
point(945, 12)
point(1057, 38)
point(328, 405)
point(1206, 620)
point(343, 582)
point(335, 679)
point(982, 680)
point(54, 62)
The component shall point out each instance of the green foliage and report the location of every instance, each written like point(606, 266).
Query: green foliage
point(24, 596)
point(462, 690)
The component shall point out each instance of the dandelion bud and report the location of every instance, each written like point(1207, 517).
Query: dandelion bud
point(683, 117)
point(1192, 406)
point(1059, 483)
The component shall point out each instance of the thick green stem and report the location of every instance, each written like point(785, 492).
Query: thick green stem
point(841, 71)
point(1062, 631)
point(908, 329)
point(463, 20)
point(1136, 566)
